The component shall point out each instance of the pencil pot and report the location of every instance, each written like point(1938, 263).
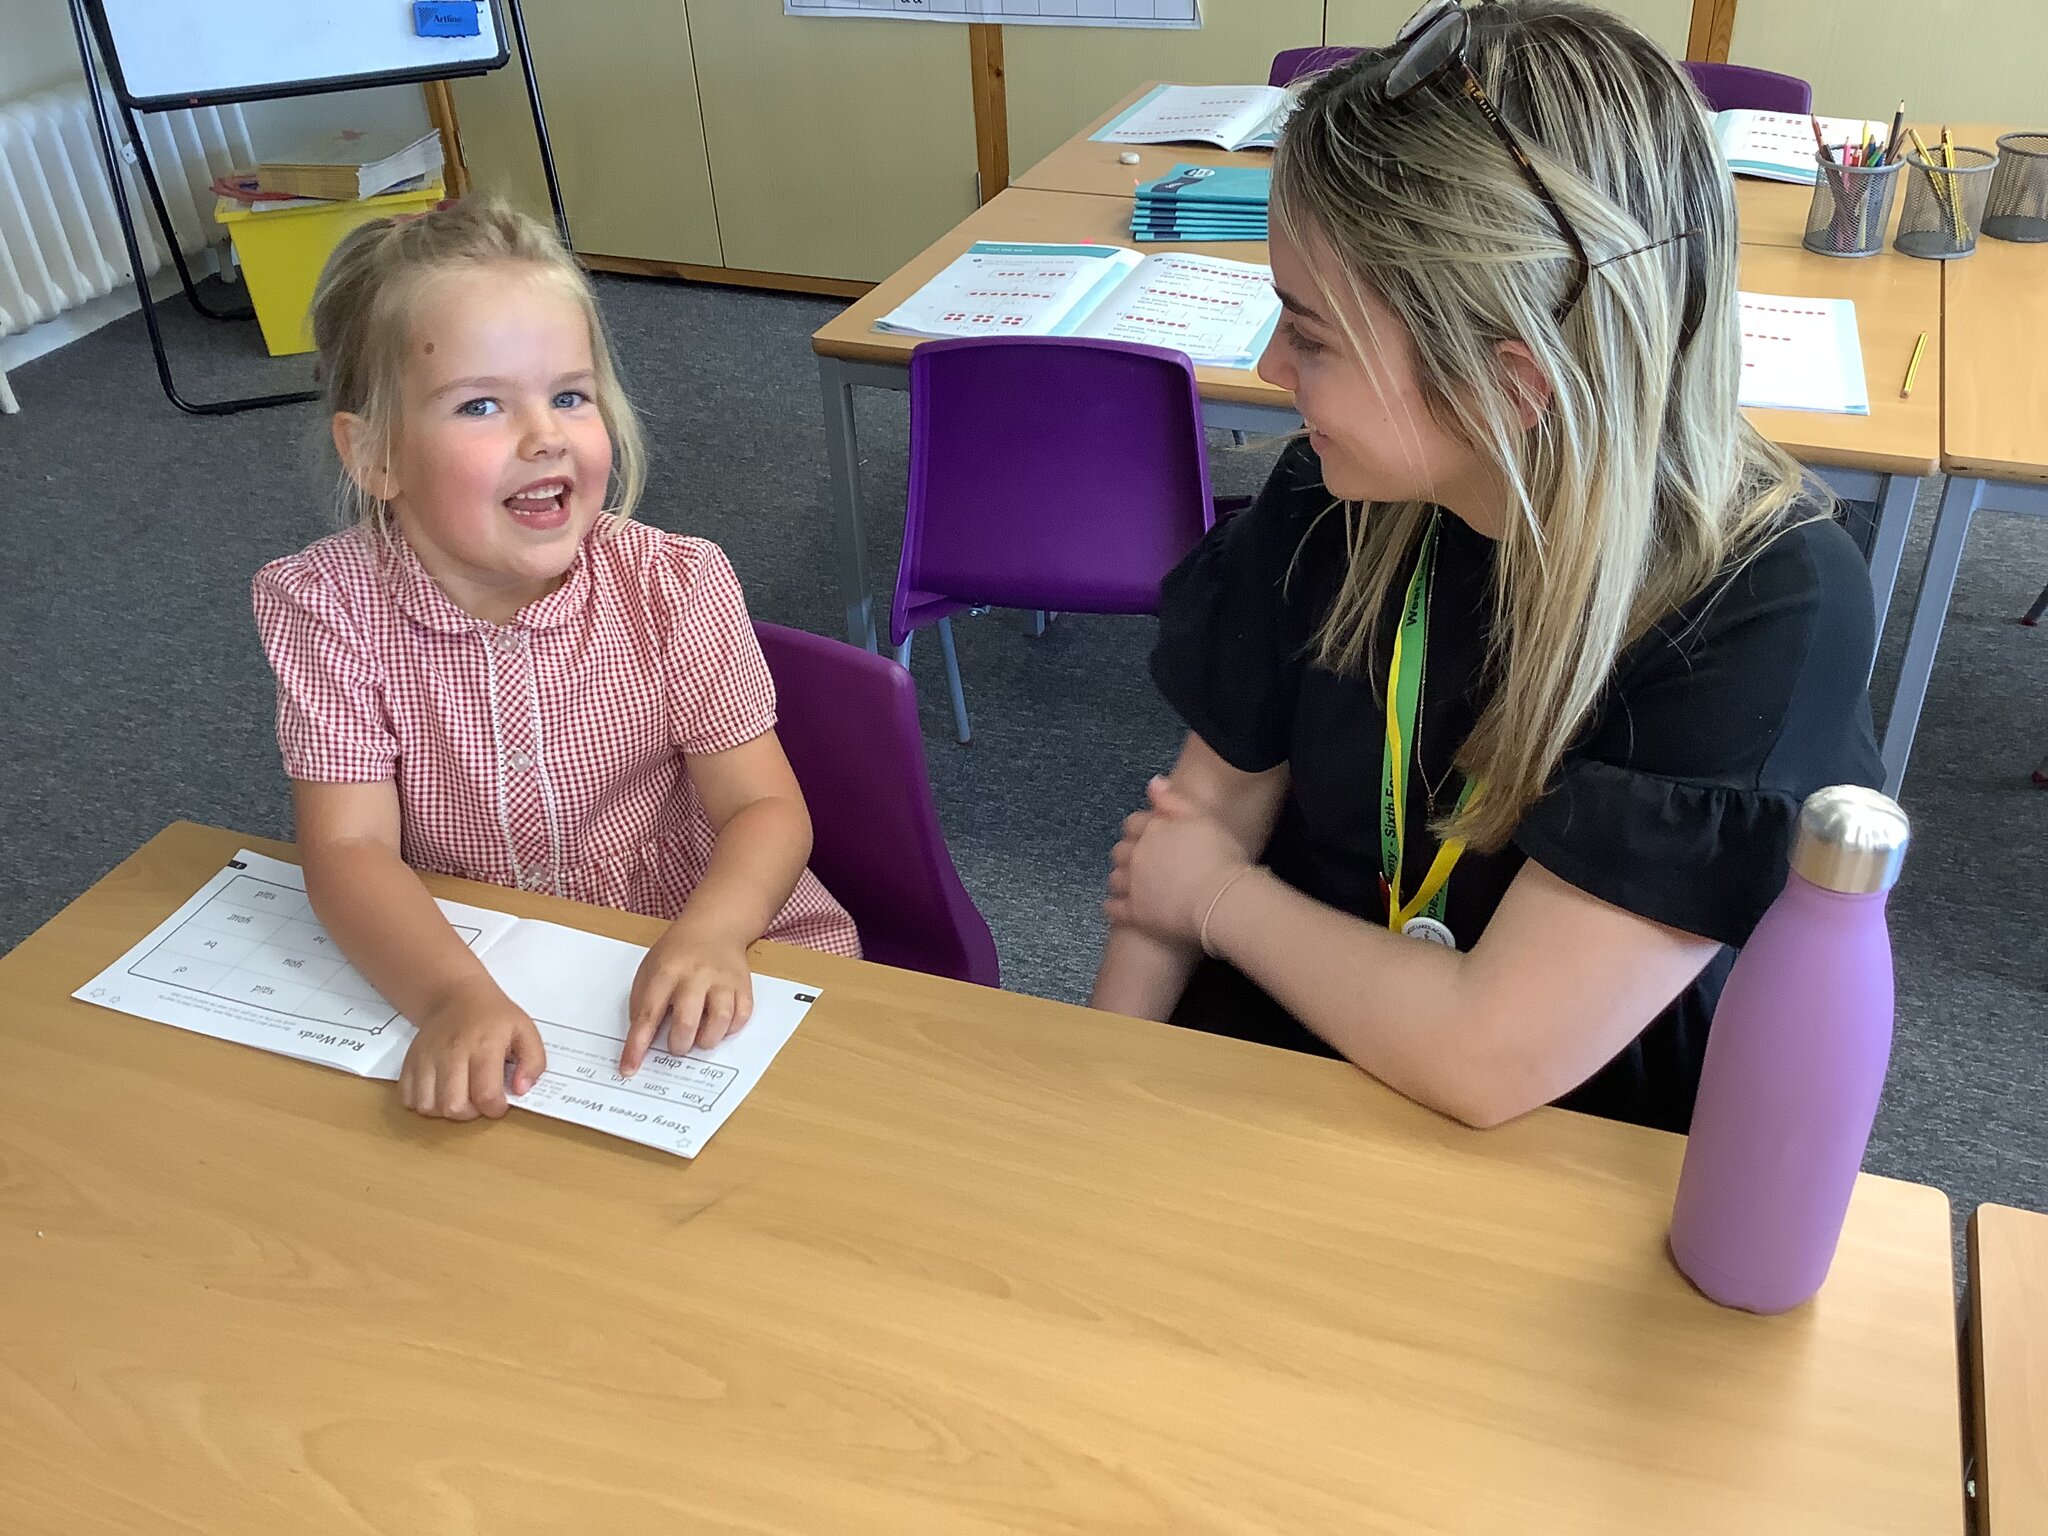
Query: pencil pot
point(2018, 205)
point(1852, 205)
point(1944, 205)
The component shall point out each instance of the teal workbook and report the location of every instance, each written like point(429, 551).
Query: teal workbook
point(1230, 186)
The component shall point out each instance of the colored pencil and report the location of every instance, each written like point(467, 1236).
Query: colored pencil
point(1913, 367)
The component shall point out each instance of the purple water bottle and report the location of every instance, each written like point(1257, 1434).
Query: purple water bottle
point(1794, 1065)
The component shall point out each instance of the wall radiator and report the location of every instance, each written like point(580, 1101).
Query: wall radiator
point(60, 237)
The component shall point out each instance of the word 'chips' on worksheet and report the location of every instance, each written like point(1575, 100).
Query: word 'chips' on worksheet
point(246, 960)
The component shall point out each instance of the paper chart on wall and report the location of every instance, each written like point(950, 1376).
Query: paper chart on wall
point(1183, 14)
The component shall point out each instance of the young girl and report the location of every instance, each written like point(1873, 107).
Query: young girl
point(493, 674)
point(1534, 648)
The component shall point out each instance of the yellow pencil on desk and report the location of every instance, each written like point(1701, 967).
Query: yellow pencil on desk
point(1913, 367)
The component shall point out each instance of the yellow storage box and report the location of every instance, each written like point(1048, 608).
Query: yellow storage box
point(281, 251)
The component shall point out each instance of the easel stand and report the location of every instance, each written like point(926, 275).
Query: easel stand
point(110, 152)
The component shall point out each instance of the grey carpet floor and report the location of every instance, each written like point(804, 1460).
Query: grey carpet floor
point(135, 693)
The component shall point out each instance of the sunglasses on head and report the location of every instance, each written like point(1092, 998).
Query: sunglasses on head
point(1431, 47)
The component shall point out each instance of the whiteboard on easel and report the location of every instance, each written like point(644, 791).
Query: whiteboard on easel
point(178, 53)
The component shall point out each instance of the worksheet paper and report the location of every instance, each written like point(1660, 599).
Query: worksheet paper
point(246, 960)
point(1802, 355)
point(1014, 13)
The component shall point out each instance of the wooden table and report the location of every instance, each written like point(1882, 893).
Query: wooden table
point(1994, 443)
point(965, 1261)
point(2009, 1368)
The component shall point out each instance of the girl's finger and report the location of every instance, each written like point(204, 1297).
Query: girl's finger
point(529, 1058)
point(487, 1085)
point(647, 1020)
point(685, 1013)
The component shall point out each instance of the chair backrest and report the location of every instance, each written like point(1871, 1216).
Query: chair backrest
point(1048, 472)
point(848, 723)
point(1290, 64)
point(1737, 87)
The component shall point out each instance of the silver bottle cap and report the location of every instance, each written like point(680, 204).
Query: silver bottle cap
point(1851, 839)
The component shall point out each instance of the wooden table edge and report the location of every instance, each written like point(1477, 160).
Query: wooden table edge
point(1962, 467)
point(1974, 1434)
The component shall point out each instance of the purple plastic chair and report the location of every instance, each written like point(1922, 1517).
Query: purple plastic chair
point(1290, 64)
point(1048, 473)
point(1737, 87)
point(848, 723)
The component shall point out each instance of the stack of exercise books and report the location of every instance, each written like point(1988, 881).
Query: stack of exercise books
point(343, 167)
point(1220, 313)
point(1203, 202)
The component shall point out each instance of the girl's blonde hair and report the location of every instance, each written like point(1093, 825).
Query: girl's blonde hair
point(362, 316)
point(1641, 481)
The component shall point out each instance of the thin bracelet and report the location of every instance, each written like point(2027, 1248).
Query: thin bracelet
point(1203, 933)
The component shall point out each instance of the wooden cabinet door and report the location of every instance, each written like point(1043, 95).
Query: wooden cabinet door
point(619, 83)
point(839, 148)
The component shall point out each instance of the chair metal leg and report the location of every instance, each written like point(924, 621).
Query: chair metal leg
point(953, 680)
point(2033, 614)
point(903, 651)
point(1039, 619)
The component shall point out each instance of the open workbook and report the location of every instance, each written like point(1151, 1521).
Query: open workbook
point(1228, 116)
point(1218, 312)
point(1779, 146)
point(246, 960)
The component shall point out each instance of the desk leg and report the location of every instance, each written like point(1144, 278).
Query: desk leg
point(1959, 500)
point(1888, 541)
point(842, 456)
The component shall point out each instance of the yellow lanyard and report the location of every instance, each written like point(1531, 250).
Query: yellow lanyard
point(1404, 699)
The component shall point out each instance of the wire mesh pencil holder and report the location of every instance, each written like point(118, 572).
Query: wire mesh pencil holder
point(1851, 208)
point(2018, 206)
point(1944, 205)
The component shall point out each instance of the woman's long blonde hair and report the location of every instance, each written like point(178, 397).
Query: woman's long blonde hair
point(1642, 480)
point(362, 316)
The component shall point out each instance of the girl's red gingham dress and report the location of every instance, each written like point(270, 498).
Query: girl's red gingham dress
point(546, 753)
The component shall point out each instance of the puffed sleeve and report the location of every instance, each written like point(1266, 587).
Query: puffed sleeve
point(1237, 615)
point(333, 724)
point(715, 679)
point(1680, 801)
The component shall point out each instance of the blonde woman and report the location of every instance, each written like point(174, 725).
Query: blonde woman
point(495, 673)
point(1504, 695)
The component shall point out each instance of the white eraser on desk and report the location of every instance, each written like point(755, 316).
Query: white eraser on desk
point(1129, 157)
